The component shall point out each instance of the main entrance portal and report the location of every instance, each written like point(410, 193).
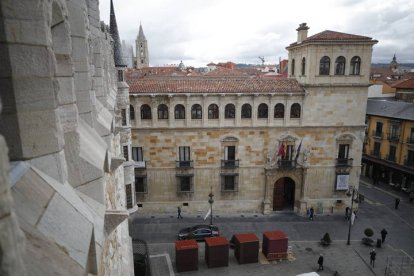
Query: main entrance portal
point(284, 194)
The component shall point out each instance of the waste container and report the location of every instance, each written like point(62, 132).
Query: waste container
point(379, 243)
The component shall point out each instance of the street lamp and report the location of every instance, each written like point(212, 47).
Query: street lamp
point(211, 201)
point(352, 206)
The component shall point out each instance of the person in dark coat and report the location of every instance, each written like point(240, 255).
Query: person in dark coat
point(311, 213)
point(372, 254)
point(320, 262)
point(347, 215)
point(179, 213)
point(383, 235)
point(397, 202)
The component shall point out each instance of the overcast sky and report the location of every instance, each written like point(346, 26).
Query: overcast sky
point(202, 31)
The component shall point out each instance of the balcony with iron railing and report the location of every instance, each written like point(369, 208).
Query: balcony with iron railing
point(390, 158)
point(376, 153)
point(286, 164)
point(184, 164)
point(376, 134)
point(140, 165)
point(394, 137)
point(410, 140)
point(344, 162)
point(229, 164)
point(409, 162)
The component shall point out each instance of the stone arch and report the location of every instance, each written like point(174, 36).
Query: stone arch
point(283, 196)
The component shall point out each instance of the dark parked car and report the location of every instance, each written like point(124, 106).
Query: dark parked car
point(198, 232)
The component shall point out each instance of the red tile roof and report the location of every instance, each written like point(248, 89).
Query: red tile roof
point(329, 36)
point(404, 84)
point(213, 85)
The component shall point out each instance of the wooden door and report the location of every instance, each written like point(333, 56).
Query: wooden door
point(278, 196)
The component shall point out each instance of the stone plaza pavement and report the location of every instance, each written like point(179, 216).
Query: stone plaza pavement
point(346, 259)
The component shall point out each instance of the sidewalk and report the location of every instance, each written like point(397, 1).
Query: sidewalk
point(385, 188)
point(349, 260)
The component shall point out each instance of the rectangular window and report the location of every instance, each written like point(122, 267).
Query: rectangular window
point(343, 151)
point(229, 182)
point(126, 154)
point(120, 75)
point(140, 184)
point(391, 154)
point(137, 154)
point(411, 138)
point(185, 183)
point(128, 193)
point(378, 129)
point(184, 157)
point(124, 119)
point(377, 148)
point(230, 153)
point(410, 158)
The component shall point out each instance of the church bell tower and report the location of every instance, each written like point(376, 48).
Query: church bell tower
point(141, 50)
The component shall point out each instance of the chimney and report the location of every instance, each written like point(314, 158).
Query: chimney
point(302, 32)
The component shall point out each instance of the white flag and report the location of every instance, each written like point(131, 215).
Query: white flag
point(352, 218)
point(208, 213)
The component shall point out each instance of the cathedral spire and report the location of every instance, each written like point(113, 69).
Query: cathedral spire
point(141, 32)
point(141, 43)
point(113, 28)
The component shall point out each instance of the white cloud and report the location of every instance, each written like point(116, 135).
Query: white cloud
point(200, 31)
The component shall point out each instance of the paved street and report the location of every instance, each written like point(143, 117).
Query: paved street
point(376, 212)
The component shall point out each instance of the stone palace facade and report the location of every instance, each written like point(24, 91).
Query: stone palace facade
point(258, 144)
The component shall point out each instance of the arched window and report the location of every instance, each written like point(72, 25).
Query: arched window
point(355, 65)
point(196, 112)
point(303, 66)
point(246, 111)
point(293, 67)
point(279, 111)
point(324, 66)
point(262, 111)
point(295, 110)
point(131, 112)
point(340, 66)
point(230, 111)
point(146, 112)
point(213, 111)
point(162, 112)
point(179, 111)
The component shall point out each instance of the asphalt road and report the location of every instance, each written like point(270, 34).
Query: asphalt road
point(376, 212)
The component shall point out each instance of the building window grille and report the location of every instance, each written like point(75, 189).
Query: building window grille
point(146, 112)
point(125, 151)
point(262, 111)
point(229, 182)
point(185, 183)
point(324, 66)
point(279, 111)
point(246, 111)
point(124, 118)
point(230, 111)
point(128, 194)
point(340, 66)
point(196, 112)
point(295, 111)
point(179, 111)
point(355, 65)
point(162, 112)
point(213, 111)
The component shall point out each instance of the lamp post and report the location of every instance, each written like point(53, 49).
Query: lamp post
point(350, 219)
point(211, 201)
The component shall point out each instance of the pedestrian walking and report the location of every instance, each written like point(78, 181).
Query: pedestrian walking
point(372, 254)
point(179, 213)
point(397, 202)
point(320, 262)
point(383, 235)
point(311, 213)
point(347, 209)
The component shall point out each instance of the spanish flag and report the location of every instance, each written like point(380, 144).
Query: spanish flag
point(282, 151)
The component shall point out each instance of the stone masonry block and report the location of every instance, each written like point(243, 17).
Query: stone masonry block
point(34, 94)
point(31, 61)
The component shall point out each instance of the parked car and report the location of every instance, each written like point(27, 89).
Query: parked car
point(198, 232)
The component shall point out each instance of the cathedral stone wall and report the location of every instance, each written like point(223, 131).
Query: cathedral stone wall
point(59, 93)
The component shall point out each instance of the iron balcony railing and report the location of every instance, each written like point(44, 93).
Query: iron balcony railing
point(410, 140)
point(390, 158)
point(393, 137)
point(409, 163)
point(229, 164)
point(375, 153)
point(344, 162)
point(376, 134)
point(184, 164)
point(140, 164)
point(286, 164)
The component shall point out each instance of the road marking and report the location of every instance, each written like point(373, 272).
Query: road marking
point(167, 257)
